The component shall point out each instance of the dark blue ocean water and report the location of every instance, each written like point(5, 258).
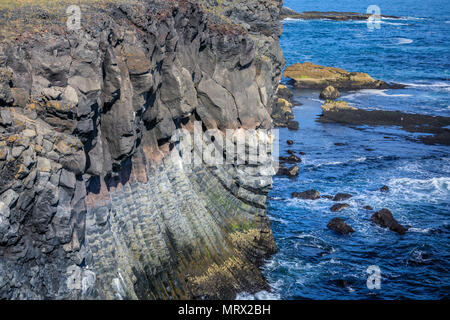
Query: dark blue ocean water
point(312, 259)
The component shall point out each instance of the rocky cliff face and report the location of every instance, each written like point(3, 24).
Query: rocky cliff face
point(94, 202)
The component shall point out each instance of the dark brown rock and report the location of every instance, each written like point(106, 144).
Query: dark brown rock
point(290, 142)
point(307, 195)
point(338, 225)
point(342, 196)
point(291, 159)
point(384, 189)
point(293, 125)
point(339, 207)
point(385, 219)
point(290, 172)
point(435, 126)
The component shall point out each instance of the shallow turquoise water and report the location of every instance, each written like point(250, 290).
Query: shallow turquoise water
point(312, 259)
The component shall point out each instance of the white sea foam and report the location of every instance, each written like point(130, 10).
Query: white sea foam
point(293, 19)
point(375, 92)
point(404, 41)
point(262, 295)
point(438, 84)
point(419, 230)
point(422, 188)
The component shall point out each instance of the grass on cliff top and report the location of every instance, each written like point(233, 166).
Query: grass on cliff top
point(17, 4)
point(36, 16)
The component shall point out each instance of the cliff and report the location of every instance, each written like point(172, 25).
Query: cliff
point(94, 203)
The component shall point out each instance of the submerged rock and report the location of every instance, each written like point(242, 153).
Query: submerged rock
point(329, 93)
point(338, 225)
point(339, 207)
point(368, 208)
point(342, 196)
point(290, 142)
point(385, 219)
point(293, 125)
point(313, 76)
point(307, 195)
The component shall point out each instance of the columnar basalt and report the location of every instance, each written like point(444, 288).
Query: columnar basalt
point(94, 200)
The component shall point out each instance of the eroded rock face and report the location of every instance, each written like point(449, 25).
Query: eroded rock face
point(94, 202)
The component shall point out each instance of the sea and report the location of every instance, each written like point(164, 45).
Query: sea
point(314, 262)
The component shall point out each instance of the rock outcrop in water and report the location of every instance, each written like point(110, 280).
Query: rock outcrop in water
point(329, 93)
point(385, 219)
point(308, 75)
point(329, 15)
point(338, 225)
point(94, 202)
point(437, 127)
point(282, 109)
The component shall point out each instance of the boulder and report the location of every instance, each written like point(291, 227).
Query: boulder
point(290, 172)
point(293, 125)
point(290, 152)
point(339, 207)
point(330, 93)
point(342, 196)
point(338, 225)
point(290, 142)
point(284, 92)
point(307, 195)
point(282, 112)
point(384, 189)
point(368, 208)
point(385, 219)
